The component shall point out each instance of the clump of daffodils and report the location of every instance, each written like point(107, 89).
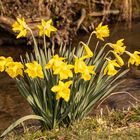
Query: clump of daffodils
point(63, 87)
point(62, 68)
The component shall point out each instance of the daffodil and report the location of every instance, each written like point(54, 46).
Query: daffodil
point(88, 52)
point(64, 70)
point(134, 58)
point(62, 90)
point(102, 31)
point(3, 62)
point(119, 47)
point(55, 62)
point(110, 68)
point(34, 70)
point(21, 27)
point(86, 73)
point(79, 65)
point(119, 59)
point(46, 28)
point(14, 69)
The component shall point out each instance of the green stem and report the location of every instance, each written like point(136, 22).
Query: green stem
point(100, 52)
point(35, 43)
point(90, 37)
point(96, 47)
point(53, 45)
point(55, 113)
point(130, 54)
point(37, 54)
point(45, 45)
point(108, 53)
point(44, 39)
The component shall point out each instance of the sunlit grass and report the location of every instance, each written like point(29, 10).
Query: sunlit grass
point(116, 125)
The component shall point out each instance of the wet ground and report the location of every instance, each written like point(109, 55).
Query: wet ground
point(13, 106)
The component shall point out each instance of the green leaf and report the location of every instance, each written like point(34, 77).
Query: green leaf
point(12, 126)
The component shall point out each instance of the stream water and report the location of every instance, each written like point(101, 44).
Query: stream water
point(13, 106)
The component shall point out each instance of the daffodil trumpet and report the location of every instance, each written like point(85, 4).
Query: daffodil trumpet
point(119, 47)
point(102, 31)
point(110, 68)
point(118, 58)
point(88, 52)
point(134, 58)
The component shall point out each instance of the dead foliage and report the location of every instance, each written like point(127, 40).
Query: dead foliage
point(68, 15)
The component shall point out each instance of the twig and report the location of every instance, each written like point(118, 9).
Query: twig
point(89, 5)
point(97, 14)
point(115, 93)
point(40, 6)
point(1, 4)
point(98, 2)
point(80, 21)
point(108, 8)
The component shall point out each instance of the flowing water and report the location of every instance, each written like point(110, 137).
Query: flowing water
point(13, 106)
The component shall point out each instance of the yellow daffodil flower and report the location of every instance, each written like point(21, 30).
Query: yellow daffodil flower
point(86, 73)
point(88, 52)
point(46, 28)
point(3, 62)
point(118, 47)
point(64, 71)
point(62, 90)
point(134, 58)
point(102, 31)
point(119, 59)
point(14, 69)
point(21, 27)
point(79, 65)
point(110, 68)
point(55, 62)
point(34, 70)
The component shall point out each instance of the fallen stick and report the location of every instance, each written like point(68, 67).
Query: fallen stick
point(97, 14)
point(6, 24)
point(83, 16)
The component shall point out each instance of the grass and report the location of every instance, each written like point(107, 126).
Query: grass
point(116, 125)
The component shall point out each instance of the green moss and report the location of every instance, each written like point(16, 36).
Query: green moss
point(117, 125)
